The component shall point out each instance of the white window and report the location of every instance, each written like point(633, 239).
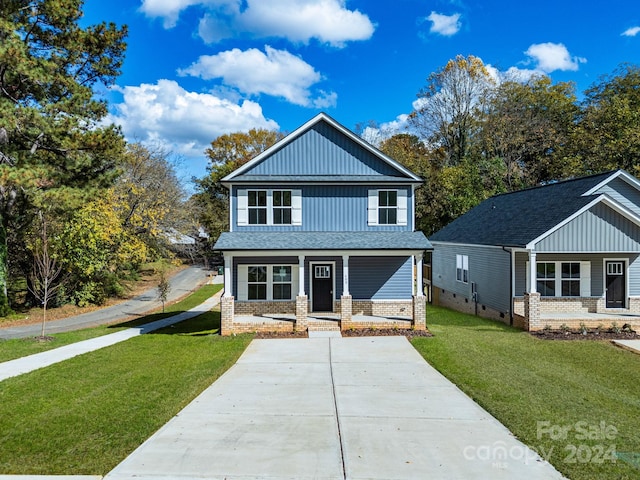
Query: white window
point(322, 271)
point(462, 268)
point(562, 279)
point(257, 282)
point(269, 207)
point(387, 207)
point(257, 207)
point(281, 285)
point(267, 282)
point(282, 207)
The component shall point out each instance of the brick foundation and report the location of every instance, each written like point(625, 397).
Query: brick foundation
point(382, 308)
point(226, 315)
point(465, 305)
point(532, 311)
point(346, 304)
point(419, 321)
point(262, 308)
point(302, 305)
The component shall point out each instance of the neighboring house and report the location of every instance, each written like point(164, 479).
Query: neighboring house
point(321, 229)
point(564, 253)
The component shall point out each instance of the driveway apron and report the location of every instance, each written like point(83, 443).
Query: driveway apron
point(333, 408)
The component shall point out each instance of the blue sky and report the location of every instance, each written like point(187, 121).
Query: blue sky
point(197, 69)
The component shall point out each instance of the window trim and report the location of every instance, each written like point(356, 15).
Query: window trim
point(373, 207)
point(585, 278)
point(264, 207)
point(462, 267)
point(242, 207)
point(265, 283)
point(243, 281)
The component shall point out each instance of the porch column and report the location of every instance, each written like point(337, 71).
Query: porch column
point(345, 300)
point(532, 272)
point(227, 304)
point(419, 279)
point(228, 273)
point(302, 303)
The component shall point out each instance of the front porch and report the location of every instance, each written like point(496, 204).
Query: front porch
point(536, 312)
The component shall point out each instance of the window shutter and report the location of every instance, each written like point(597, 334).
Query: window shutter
point(585, 279)
point(296, 207)
point(243, 207)
point(243, 278)
point(402, 207)
point(372, 208)
point(526, 276)
point(294, 281)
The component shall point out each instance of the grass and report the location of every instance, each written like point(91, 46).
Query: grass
point(85, 415)
point(27, 346)
point(535, 387)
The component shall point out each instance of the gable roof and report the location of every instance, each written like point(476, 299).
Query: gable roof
point(287, 162)
point(519, 218)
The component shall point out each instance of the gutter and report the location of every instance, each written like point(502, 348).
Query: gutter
point(510, 252)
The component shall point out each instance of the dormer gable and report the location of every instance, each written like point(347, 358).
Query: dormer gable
point(322, 150)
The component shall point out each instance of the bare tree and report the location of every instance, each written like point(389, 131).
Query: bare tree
point(164, 287)
point(45, 278)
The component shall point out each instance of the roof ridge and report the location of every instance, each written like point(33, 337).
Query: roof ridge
point(559, 182)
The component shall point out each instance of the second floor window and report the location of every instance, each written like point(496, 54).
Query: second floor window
point(257, 207)
point(387, 207)
point(282, 207)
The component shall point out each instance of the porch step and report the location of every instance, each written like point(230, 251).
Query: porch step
point(323, 325)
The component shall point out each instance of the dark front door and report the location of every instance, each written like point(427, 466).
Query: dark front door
point(616, 281)
point(322, 287)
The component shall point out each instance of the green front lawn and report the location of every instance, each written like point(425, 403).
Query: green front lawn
point(21, 347)
point(85, 415)
point(549, 393)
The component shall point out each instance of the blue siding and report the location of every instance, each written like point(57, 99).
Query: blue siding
point(322, 151)
point(380, 278)
point(624, 193)
point(488, 268)
point(330, 208)
point(600, 229)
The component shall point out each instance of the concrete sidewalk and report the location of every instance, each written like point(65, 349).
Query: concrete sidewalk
point(332, 408)
point(631, 345)
point(182, 283)
point(22, 365)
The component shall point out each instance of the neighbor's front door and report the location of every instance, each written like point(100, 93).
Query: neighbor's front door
point(615, 281)
point(322, 288)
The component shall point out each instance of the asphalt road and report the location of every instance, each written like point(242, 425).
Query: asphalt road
point(182, 283)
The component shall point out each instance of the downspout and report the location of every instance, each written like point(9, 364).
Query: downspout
point(510, 252)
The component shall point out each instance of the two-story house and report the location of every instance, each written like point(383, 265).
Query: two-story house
point(322, 229)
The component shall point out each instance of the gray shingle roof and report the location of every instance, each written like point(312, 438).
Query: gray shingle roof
point(322, 241)
point(515, 219)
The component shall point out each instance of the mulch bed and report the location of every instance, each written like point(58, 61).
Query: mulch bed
point(626, 333)
point(356, 332)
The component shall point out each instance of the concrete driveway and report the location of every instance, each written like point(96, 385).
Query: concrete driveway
point(333, 408)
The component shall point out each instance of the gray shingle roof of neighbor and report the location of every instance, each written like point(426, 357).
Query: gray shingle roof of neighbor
point(322, 241)
point(516, 218)
point(323, 179)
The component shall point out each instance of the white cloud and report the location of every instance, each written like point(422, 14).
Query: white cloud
point(631, 32)
point(328, 21)
point(553, 56)
point(274, 72)
point(184, 122)
point(446, 25)
point(170, 10)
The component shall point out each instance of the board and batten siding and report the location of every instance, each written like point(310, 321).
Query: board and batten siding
point(322, 151)
point(623, 193)
point(599, 229)
point(489, 269)
point(381, 278)
point(329, 208)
